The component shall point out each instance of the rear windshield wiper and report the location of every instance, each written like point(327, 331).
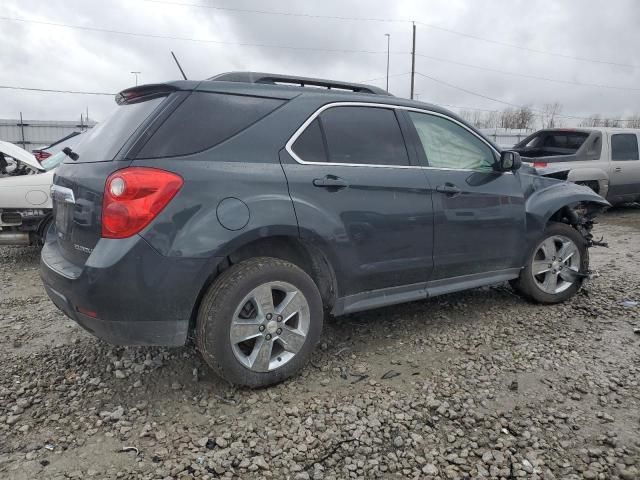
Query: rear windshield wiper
point(70, 153)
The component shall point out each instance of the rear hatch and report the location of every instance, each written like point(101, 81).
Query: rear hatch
point(79, 182)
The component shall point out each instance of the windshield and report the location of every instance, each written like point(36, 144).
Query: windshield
point(53, 161)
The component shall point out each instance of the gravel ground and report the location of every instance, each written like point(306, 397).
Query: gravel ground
point(471, 385)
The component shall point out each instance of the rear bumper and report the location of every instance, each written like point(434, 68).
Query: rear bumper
point(126, 293)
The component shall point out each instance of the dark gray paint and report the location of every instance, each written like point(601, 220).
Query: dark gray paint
point(389, 236)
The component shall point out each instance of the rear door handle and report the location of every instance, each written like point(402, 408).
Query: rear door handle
point(330, 181)
point(449, 188)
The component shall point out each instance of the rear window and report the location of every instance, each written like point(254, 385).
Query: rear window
point(561, 140)
point(624, 146)
point(104, 141)
point(204, 120)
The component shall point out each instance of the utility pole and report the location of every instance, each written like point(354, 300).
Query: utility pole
point(24, 143)
point(413, 60)
point(388, 35)
point(136, 74)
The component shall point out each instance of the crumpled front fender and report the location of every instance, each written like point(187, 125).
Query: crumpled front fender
point(548, 196)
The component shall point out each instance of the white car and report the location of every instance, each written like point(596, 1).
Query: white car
point(25, 201)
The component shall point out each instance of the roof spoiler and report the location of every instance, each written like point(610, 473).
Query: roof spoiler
point(276, 79)
point(143, 93)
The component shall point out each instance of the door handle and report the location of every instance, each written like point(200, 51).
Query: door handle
point(330, 181)
point(449, 188)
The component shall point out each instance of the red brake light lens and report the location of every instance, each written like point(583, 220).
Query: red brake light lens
point(40, 155)
point(133, 197)
point(540, 164)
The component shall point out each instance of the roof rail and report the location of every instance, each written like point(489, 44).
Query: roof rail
point(276, 79)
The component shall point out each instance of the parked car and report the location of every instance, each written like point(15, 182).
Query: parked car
point(44, 153)
point(25, 202)
point(604, 159)
point(245, 207)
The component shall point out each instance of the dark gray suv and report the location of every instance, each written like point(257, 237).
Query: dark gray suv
point(245, 207)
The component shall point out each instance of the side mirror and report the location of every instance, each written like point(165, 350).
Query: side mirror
point(509, 161)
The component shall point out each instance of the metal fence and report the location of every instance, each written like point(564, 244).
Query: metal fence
point(34, 134)
point(506, 137)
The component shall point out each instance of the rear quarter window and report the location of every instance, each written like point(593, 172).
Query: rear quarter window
point(104, 141)
point(204, 120)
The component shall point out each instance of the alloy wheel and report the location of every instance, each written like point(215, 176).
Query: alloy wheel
point(269, 326)
point(556, 264)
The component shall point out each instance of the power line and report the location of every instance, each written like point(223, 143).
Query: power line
point(524, 75)
point(382, 78)
point(393, 20)
point(288, 14)
point(527, 49)
point(497, 100)
point(188, 39)
point(49, 90)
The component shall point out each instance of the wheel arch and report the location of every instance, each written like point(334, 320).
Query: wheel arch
point(305, 254)
point(556, 203)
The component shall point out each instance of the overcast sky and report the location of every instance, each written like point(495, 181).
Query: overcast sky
point(53, 57)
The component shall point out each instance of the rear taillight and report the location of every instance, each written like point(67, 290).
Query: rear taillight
point(40, 155)
point(540, 164)
point(133, 197)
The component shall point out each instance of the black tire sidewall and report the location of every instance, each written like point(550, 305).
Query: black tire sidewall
point(527, 285)
point(220, 303)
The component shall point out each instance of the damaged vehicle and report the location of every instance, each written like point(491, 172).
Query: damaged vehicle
point(241, 209)
point(25, 201)
point(607, 160)
point(25, 204)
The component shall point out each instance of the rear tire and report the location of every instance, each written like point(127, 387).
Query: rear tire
point(259, 322)
point(555, 267)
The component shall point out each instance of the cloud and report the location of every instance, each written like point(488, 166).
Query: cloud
point(35, 55)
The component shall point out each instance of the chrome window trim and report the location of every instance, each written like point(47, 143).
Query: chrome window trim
point(314, 115)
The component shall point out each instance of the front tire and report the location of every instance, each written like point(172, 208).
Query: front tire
point(556, 266)
point(259, 322)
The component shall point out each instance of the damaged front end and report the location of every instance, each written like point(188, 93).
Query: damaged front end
point(581, 217)
point(23, 226)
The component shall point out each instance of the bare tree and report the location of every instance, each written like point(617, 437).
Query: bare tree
point(592, 121)
point(550, 114)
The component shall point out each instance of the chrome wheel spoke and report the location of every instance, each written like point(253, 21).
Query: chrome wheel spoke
point(261, 355)
point(548, 248)
point(263, 296)
point(291, 305)
point(242, 331)
point(540, 266)
point(292, 339)
point(567, 251)
point(550, 281)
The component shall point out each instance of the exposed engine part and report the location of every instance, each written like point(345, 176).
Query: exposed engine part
point(15, 238)
point(581, 218)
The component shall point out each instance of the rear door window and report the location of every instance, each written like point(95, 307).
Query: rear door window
point(204, 120)
point(624, 146)
point(102, 142)
point(364, 136)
